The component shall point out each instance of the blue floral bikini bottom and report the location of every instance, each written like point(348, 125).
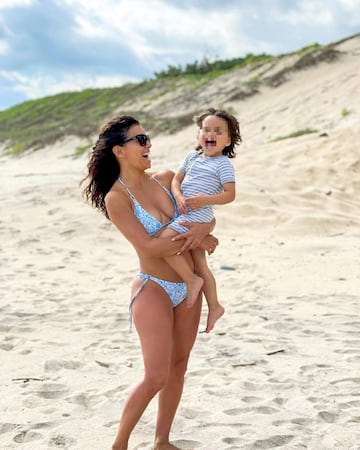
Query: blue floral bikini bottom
point(177, 292)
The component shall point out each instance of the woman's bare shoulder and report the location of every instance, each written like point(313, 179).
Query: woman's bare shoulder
point(164, 176)
point(116, 195)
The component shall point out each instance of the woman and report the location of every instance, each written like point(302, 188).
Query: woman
point(140, 205)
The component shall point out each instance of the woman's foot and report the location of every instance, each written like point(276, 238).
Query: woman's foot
point(167, 446)
point(193, 289)
point(214, 315)
point(119, 446)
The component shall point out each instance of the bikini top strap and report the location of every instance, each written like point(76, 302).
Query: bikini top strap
point(128, 190)
point(131, 195)
point(164, 187)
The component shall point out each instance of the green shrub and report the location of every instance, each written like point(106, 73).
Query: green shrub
point(294, 134)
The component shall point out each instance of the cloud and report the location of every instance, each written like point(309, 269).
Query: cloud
point(308, 12)
point(40, 85)
point(12, 3)
point(159, 32)
point(4, 47)
point(55, 45)
point(47, 37)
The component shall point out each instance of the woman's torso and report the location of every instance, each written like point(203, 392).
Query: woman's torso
point(155, 208)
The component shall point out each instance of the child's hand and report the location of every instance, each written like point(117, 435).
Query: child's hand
point(196, 202)
point(181, 204)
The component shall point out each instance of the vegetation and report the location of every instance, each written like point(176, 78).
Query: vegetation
point(215, 68)
point(38, 123)
point(308, 48)
point(294, 134)
point(82, 149)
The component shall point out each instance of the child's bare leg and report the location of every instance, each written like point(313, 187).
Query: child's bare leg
point(178, 262)
point(216, 310)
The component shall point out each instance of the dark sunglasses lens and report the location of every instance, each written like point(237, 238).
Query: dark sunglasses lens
point(142, 139)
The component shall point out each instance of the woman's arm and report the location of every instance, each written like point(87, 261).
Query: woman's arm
point(196, 236)
point(121, 214)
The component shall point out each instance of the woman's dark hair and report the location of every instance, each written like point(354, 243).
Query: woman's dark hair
point(233, 125)
point(103, 167)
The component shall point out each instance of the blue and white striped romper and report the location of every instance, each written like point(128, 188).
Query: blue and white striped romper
point(203, 175)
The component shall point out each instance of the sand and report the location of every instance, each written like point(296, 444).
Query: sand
point(282, 367)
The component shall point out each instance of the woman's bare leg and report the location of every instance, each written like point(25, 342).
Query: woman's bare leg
point(153, 318)
point(186, 323)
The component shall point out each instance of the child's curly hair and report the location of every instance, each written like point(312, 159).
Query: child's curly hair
point(233, 124)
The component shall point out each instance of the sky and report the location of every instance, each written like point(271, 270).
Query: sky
point(52, 46)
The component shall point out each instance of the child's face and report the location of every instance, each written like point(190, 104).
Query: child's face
point(214, 135)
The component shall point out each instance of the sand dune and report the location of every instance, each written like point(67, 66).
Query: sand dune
point(282, 368)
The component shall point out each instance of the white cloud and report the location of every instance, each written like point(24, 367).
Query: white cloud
point(352, 7)
point(42, 85)
point(159, 33)
point(308, 12)
point(141, 37)
point(4, 47)
point(12, 3)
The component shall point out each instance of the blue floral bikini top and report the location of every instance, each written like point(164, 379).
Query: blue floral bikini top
point(151, 223)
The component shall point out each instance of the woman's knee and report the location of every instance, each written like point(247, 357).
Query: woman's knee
point(156, 380)
point(179, 367)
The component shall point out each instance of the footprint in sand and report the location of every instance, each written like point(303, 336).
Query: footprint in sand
point(234, 411)
point(189, 413)
point(272, 441)
point(251, 399)
point(52, 390)
point(61, 441)
point(6, 427)
point(27, 436)
point(54, 365)
point(184, 443)
point(328, 417)
point(236, 442)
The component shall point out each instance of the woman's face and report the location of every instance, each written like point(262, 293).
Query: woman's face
point(136, 148)
point(214, 135)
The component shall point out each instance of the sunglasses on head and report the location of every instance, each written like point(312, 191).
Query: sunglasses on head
point(142, 139)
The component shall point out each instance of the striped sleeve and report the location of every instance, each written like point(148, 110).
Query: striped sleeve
point(187, 160)
point(226, 172)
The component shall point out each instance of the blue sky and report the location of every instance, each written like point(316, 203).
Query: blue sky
point(52, 46)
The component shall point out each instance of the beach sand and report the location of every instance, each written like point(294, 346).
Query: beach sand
point(282, 367)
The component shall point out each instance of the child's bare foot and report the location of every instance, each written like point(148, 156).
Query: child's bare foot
point(214, 315)
point(193, 289)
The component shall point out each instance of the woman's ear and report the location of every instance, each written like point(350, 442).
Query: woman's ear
point(117, 150)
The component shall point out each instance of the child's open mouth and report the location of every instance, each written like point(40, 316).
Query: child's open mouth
point(210, 143)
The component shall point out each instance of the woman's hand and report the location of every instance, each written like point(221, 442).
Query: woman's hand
point(197, 232)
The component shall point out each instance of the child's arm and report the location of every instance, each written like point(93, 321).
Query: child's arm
point(227, 196)
point(176, 190)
